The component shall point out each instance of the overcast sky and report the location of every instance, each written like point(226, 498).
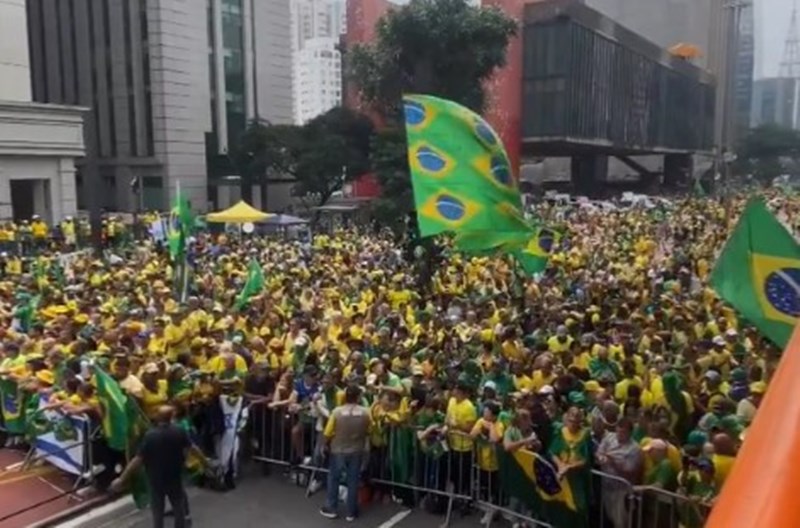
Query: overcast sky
point(772, 26)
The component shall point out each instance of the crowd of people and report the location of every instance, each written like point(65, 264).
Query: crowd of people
point(619, 357)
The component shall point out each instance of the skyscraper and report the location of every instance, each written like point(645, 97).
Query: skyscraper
point(171, 85)
point(318, 78)
point(317, 26)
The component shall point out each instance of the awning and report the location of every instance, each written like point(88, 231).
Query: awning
point(285, 220)
point(240, 213)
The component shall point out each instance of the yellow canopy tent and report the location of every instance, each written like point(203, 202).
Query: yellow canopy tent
point(240, 213)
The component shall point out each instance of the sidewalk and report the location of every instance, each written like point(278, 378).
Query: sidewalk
point(29, 497)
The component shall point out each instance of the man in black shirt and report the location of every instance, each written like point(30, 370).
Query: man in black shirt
point(163, 454)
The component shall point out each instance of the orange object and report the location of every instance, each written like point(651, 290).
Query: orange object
point(761, 491)
point(686, 51)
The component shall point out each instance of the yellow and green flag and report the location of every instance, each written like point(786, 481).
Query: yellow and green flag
point(533, 480)
point(534, 256)
point(114, 402)
point(180, 226)
point(13, 406)
point(252, 286)
point(460, 171)
point(758, 273)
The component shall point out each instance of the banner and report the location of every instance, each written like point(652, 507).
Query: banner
point(64, 443)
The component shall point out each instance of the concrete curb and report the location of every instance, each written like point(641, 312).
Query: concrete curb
point(92, 513)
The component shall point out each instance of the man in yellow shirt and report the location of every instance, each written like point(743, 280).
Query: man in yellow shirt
point(560, 342)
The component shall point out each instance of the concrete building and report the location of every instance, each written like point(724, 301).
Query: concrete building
point(172, 85)
point(318, 78)
point(38, 143)
point(317, 66)
point(776, 100)
point(744, 70)
point(708, 24)
point(317, 18)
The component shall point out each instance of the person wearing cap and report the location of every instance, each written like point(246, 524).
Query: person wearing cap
point(747, 407)
point(154, 392)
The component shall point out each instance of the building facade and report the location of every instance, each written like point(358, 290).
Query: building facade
point(318, 78)
point(317, 26)
point(171, 85)
point(776, 100)
point(721, 29)
point(38, 143)
point(745, 70)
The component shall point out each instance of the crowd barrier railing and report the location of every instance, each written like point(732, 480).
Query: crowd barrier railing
point(437, 473)
point(659, 508)
point(613, 500)
point(442, 473)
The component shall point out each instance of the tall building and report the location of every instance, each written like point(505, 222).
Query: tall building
point(317, 26)
point(317, 18)
point(318, 78)
point(708, 24)
point(38, 142)
point(776, 100)
point(744, 70)
point(171, 84)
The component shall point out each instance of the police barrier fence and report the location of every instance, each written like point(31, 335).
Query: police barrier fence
point(444, 472)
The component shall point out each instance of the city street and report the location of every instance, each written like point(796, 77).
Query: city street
point(274, 502)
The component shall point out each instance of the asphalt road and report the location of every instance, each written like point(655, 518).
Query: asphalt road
point(274, 502)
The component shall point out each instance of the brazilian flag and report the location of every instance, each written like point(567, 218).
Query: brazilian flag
point(534, 256)
point(533, 480)
point(13, 406)
point(758, 273)
point(460, 172)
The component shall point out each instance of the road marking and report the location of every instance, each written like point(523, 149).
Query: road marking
point(17, 476)
point(395, 519)
point(53, 485)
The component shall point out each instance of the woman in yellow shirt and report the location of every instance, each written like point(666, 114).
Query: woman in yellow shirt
point(488, 433)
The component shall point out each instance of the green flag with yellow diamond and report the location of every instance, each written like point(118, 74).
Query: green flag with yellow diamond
point(460, 171)
point(758, 273)
point(533, 257)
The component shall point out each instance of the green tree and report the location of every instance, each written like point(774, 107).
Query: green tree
point(265, 151)
point(438, 47)
point(333, 148)
point(768, 150)
point(320, 155)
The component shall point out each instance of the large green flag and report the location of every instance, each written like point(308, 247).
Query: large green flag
point(253, 286)
point(460, 172)
point(180, 226)
point(116, 419)
point(758, 273)
point(13, 406)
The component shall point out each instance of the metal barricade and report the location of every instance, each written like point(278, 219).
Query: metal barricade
point(612, 501)
point(444, 473)
point(659, 508)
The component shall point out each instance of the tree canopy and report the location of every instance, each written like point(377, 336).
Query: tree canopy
point(769, 150)
point(320, 155)
point(437, 47)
